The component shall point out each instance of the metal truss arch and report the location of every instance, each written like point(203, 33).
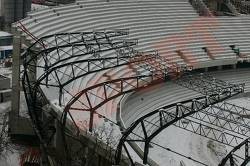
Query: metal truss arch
point(164, 117)
point(35, 98)
point(95, 43)
point(30, 59)
point(77, 40)
point(110, 89)
point(205, 83)
point(93, 66)
point(233, 159)
point(99, 63)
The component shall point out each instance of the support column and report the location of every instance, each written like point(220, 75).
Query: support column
point(15, 99)
point(20, 127)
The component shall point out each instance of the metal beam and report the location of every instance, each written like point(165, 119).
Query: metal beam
point(204, 83)
point(93, 65)
point(35, 98)
point(234, 157)
point(111, 89)
point(161, 117)
point(66, 41)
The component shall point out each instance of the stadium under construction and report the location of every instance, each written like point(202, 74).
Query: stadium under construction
point(123, 82)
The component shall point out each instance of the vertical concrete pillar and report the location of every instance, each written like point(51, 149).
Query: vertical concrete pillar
point(15, 99)
point(16, 75)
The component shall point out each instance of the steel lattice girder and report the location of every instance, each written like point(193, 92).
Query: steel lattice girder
point(98, 42)
point(226, 116)
point(205, 84)
point(202, 83)
point(99, 63)
point(30, 59)
point(106, 91)
point(94, 65)
point(210, 132)
point(34, 96)
point(131, 56)
point(197, 126)
point(164, 66)
point(180, 110)
point(233, 159)
point(62, 39)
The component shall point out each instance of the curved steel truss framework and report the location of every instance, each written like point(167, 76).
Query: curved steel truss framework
point(204, 83)
point(62, 52)
point(234, 157)
point(223, 122)
point(154, 122)
point(239, 155)
point(60, 57)
point(107, 91)
point(56, 53)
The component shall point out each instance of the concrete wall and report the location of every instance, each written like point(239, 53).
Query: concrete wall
point(4, 82)
point(14, 10)
point(8, 10)
point(214, 4)
point(5, 91)
point(5, 95)
point(1, 7)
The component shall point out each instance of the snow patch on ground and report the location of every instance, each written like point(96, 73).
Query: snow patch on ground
point(188, 144)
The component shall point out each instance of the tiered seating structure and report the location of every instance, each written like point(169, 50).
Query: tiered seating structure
point(173, 28)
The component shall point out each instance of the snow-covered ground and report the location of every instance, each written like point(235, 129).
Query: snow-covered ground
point(188, 144)
point(242, 102)
point(191, 145)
